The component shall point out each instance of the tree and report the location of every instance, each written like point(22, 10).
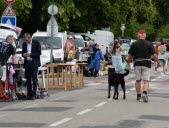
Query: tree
point(163, 32)
point(162, 18)
point(135, 14)
point(95, 14)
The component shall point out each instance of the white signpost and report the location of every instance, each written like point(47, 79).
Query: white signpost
point(52, 26)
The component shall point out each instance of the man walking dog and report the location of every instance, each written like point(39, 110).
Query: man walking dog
point(140, 53)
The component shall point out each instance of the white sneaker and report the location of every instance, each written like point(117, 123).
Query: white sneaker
point(145, 98)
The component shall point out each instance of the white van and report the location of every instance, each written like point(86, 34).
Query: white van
point(46, 42)
point(103, 38)
point(78, 41)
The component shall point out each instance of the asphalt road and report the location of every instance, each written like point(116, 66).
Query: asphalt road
point(88, 107)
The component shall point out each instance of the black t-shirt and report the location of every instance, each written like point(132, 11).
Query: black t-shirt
point(167, 48)
point(6, 50)
point(141, 50)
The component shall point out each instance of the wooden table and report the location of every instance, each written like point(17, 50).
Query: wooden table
point(80, 73)
point(66, 73)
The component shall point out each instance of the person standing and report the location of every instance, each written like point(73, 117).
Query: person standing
point(167, 55)
point(115, 52)
point(6, 50)
point(31, 51)
point(68, 45)
point(71, 54)
point(140, 52)
point(96, 56)
point(89, 48)
point(162, 55)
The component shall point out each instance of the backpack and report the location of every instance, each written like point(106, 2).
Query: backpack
point(4, 51)
point(162, 50)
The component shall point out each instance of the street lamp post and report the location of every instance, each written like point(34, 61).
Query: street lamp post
point(122, 29)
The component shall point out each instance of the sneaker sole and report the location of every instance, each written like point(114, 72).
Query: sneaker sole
point(140, 100)
point(145, 99)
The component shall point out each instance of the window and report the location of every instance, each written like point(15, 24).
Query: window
point(78, 42)
point(47, 42)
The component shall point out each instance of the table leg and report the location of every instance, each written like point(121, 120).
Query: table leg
point(66, 74)
point(70, 77)
point(57, 76)
point(79, 76)
point(63, 82)
point(53, 80)
point(47, 78)
point(43, 79)
point(75, 78)
point(82, 76)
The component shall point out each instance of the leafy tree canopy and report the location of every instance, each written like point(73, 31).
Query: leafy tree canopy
point(89, 15)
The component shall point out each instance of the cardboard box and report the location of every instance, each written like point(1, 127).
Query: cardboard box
point(101, 66)
point(105, 72)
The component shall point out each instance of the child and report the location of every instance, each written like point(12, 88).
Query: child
point(161, 55)
point(71, 54)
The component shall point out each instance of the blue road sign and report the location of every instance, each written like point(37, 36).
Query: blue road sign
point(8, 20)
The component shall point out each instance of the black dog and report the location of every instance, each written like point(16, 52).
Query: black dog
point(114, 79)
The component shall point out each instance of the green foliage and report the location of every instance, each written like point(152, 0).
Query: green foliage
point(95, 14)
point(163, 32)
point(135, 14)
point(89, 15)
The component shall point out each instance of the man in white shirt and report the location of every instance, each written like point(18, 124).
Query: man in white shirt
point(31, 51)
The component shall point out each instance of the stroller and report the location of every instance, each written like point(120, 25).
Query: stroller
point(9, 93)
point(20, 83)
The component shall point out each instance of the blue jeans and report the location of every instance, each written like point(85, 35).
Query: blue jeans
point(117, 63)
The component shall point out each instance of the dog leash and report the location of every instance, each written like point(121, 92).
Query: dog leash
point(136, 60)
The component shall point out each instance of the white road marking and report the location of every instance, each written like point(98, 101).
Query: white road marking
point(31, 106)
point(60, 122)
point(100, 104)
point(60, 98)
point(132, 89)
point(126, 92)
point(92, 84)
point(153, 79)
point(127, 83)
point(109, 99)
point(3, 115)
point(57, 98)
point(152, 86)
point(159, 77)
point(83, 112)
point(133, 81)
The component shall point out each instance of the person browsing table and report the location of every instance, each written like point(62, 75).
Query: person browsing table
point(31, 51)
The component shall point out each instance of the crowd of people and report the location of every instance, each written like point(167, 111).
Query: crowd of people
point(93, 54)
point(31, 51)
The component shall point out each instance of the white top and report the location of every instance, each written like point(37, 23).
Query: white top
point(29, 47)
point(161, 56)
point(118, 51)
